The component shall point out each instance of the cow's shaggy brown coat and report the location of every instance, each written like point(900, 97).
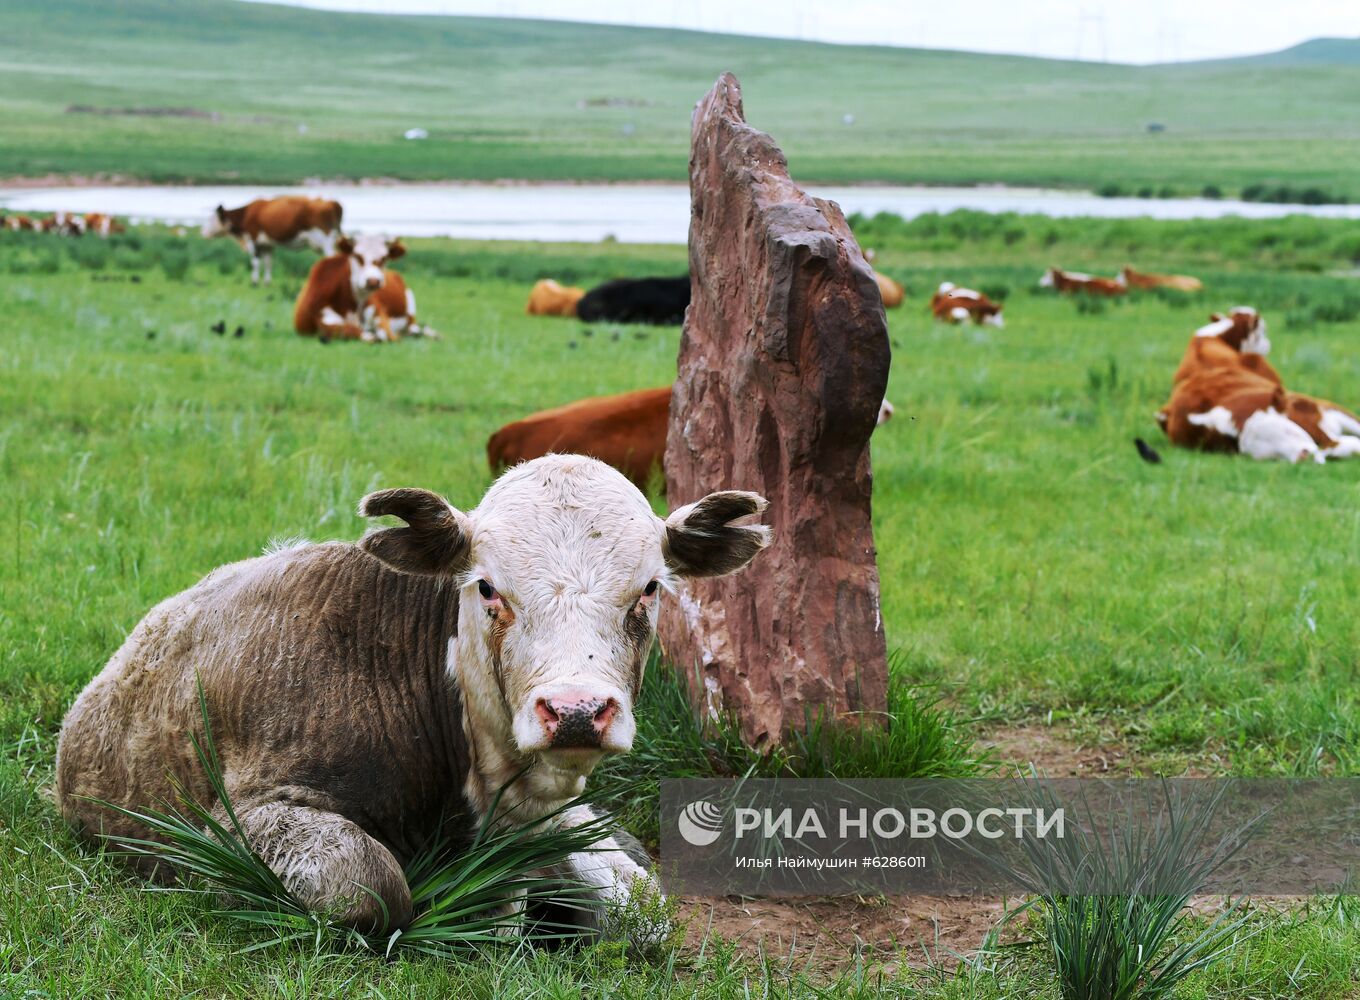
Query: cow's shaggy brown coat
point(326, 702)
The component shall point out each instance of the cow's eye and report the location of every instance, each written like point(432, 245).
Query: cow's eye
point(650, 589)
point(487, 591)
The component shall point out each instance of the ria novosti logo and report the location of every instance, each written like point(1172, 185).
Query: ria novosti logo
point(700, 823)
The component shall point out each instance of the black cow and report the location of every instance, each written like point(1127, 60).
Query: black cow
point(637, 300)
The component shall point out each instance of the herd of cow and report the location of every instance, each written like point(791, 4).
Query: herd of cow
point(1225, 396)
point(64, 223)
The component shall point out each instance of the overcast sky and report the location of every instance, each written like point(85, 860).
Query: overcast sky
point(1114, 30)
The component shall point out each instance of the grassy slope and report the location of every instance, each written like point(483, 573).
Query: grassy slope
point(514, 99)
point(1031, 565)
point(1314, 52)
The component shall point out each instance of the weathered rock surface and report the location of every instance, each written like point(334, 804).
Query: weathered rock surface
point(783, 364)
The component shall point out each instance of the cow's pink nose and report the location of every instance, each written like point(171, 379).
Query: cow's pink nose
point(576, 720)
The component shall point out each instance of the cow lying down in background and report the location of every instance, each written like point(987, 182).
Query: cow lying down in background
point(627, 431)
point(1227, 397)
point(366, 697)
point(329, 303)
point(952, 304)
point(550, 298)
point(661, 301)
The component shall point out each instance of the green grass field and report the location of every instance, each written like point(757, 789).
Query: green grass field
point(1035, 573)
point(543, 100)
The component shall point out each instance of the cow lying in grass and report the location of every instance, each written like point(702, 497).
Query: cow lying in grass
point(661, 301)
point(1146, 279)
point(1227, 397)
point(1065, 282)
point(952, 304)
point(367, 697)
point(549, 298)
point(329, 303)
point(627, 431)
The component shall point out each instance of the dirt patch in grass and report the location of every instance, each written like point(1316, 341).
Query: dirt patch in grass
point(1061, 753)
point(829, 932)
point(1054, 753)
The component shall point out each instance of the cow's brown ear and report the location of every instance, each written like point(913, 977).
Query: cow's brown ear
point(701, 539)
point(436, 542)
point(395, 250)
point(1216, 317)
point(344, 245)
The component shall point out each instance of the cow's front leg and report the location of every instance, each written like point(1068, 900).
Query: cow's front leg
point(333, 326)
point(624, 900)
point(379, 324)
point(254, 263)
point(329, 863)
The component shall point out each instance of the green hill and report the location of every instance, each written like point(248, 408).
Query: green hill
point(1314, 52)
point(201, 90)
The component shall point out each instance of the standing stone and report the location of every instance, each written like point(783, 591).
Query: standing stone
point(783, 364)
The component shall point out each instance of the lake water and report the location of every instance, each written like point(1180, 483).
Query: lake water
point(632, 213)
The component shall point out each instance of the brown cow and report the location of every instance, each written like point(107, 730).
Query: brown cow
point(1145, 279)
point(548, 298)
point(101, 224)
point(627, 431)
point(952, 304)
point(288, 221)
point(1227, 397)
point(892, 292)
point(1075, 281)
point(328, 304)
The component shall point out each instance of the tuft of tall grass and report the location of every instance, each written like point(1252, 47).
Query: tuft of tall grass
point(1112, 912)
point(916, 738)
point(471, 897)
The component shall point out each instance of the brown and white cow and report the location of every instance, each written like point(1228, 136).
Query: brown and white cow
point(1227, 397)
point(63, 223)
point(367, 699)
point(287, 221)
point(1145, 279)
point(627, 431)
point(952, 304)
point(548, 298)
point(1075, 281)
point(101, 225)
point(353, 296)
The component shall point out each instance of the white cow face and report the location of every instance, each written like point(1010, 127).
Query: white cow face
point(216, 224)
point(1047, 280)
point(367, 257)
point(561, 570)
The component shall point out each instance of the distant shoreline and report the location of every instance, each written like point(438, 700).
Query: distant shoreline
point(26, 183)
point(1282, 197)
